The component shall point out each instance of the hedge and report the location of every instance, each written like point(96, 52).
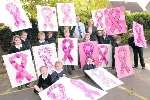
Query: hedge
point(140, 17)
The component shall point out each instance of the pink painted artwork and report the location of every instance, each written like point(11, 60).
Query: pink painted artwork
point(15, 14)
point(68, 50)
point(45, 55)
point(66, 14)
point(123, 61)
point(20, 70)
point(99, 18)
point(139, 37)
point(103, 78)
point(47, 19)
point(88, 50)
point(80, 90)
point(115, 20)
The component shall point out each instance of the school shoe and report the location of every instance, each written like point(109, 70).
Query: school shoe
point(135, 67)
point(143, 67)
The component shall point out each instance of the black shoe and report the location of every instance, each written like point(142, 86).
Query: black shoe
point(143, 67)
point(135, 67)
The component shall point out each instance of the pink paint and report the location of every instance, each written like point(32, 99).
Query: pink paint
point(67, 49)
point(61, 94)
point(115, 21)
point(66, 9)
point(99, 18)
point(103, 55)
point(47, 14)
point(45, 54)
point(20, 68)
point(15, 12)
point(139, 37)
point(88, 92)
point(123, 61)
point(88, 50)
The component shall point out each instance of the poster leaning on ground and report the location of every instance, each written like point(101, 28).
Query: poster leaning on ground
point(45, 55)
point(66, 14)
point(47, 19)
point(20, 68)
point(123, 62)
point(14, 15)
point(80, 90)
point(68, 50)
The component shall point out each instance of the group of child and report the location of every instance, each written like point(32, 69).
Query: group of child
point(20, 43)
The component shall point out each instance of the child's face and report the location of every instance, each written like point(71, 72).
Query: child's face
point(24, 36)
point(17, 41)
point(130, 34)
point(89, 60)
point(100, 33)
point(50, 34)
point(87, 38)
point(58, 66)
point(44, 70)
point(41, 37)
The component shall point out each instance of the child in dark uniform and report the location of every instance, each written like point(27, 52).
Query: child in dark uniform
point(41, 39)
point(44, 81)
point(24, 39)
point(50, 37)
point(136, 51)
point(59, 72)
point(89, 64)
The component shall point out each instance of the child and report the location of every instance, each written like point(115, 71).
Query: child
point(51, 38)
point(89, 64)
point(67, 30)
point(86, 37)
point(136, 51)
point(59, 72)
point(44, 80)
point(102, 37)
point(41, 39)
point(24, 39)
point(17, 45)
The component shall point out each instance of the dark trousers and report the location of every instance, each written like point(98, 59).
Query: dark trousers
point(136, 52)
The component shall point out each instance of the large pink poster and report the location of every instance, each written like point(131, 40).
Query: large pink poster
point(14, 15)
point(123, 61)
point(115, 20)
point(47, 19)
point(99, 18)
point(20, 68)
point(88, 50)
point(66, 14)
point(139, 37)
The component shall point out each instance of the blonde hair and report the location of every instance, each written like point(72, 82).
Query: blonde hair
point(59, 62)
point(41, 33)
point(43, 67)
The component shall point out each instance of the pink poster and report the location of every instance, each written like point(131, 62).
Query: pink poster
point(99, 18)
point(47, 19)
point(14, 15)
point(66, 14)
point(20, 68)
point(123, 61)
point(139, 37)
point(115, 20)
point(105, 55)
point(68, 50)
point(88, 50)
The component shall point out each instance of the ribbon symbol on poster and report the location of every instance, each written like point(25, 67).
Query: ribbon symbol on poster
point(88, 92)
point(47, 14)
point(139, 31)
point(88, 49)
point(105, 80)
point(20, 67)
point(67, 46)
point(103, 55)
point(59, 95)
point(45, 54)
point(122, 58)
point(99, 17)
point(66, 9)
point(114, 17)
point(15, 12)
